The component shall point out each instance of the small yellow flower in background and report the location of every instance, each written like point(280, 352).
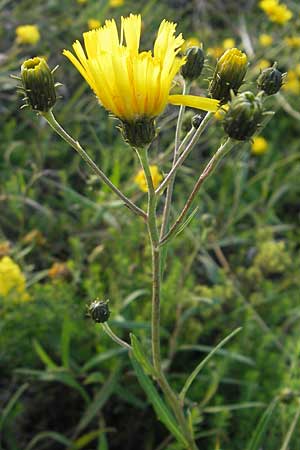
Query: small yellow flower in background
point(116, 3)
point(191, 42)
point(228, 43)
point(297, 69)
point(259, 145)
point(82, 2)
point(4, 248)
point(215, 52)
point(140, 178)
point(12, 280)
point(220, 114)
point(34, 236)
point(276, 12)
point(27, 34)
point(265, 40)
point(293, 41)
point(58, 270)
point(133, 85)
point(93, 24)
point(292, 82)
point(262, 64)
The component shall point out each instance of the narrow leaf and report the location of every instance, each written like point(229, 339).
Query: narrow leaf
point(48, 435)
point(140, 356)
point(45, 358)
point(262, 426)
point(200, 366)
point(11, 403)
point(162, 411)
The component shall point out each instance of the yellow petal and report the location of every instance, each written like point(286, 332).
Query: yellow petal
point(193, 101)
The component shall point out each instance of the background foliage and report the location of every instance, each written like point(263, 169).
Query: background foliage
point(63, 383)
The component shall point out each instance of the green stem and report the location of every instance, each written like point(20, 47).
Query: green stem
point(75, 144)
point(167, 207)
point(220, 153)
point(170, 395)
point(114, 337)
point(185, 153)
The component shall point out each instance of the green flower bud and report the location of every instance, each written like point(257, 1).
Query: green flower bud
point(139, 133)
point(99, 311)
point(38, 84)
point(229, 75)
point(244, 116)
point(270, 80)
point(194, 64)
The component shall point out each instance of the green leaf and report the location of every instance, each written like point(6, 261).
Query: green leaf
point(290, 431)
point(45, 358)
point(99, 401)
point(200, 366)
point(87, 438)
point(162, 411)
point(11, 403)
point(95, 360)
point(49, 435)
point(140, 355)
point(262, 426)
point(65, 342)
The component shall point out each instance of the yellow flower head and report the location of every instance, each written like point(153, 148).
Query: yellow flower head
point(262, 64)
point(12, 280)
point(228, 43)
point(93, 24)
point(27, 34)
point(58, 270)
point(259, 145)
point(132, 84)
point(293, 41)
point(140, 178)
point(215, 52)
point(191, 42)
point(265, 40)
point(276, 12)
point(116, 3)
point(292, 82)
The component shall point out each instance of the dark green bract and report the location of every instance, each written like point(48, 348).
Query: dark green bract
point(194, 64)
point(99, 311)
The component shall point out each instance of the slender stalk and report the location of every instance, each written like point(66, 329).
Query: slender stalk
point(167, 206)
point(170, 395)
point(185, 153)
point(75, 144)
point(220, 153)
point(114, 337)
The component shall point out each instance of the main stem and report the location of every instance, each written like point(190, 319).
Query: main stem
point(170, 395)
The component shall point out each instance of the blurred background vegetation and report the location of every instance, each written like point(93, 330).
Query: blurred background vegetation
point(65, 240)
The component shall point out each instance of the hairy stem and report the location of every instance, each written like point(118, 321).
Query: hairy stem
point(220, 153)
point(75, 144)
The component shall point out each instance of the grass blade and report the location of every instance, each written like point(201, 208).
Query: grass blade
point(200, 366)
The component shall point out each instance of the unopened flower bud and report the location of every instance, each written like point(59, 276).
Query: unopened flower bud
point(229, 74)
point(139, 133)
point(244, 116)
point(194, 64)
point(99, 311)
point(38, 84)
point(270, 80)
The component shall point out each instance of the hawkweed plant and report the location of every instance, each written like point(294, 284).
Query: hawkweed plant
point(135, 87)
